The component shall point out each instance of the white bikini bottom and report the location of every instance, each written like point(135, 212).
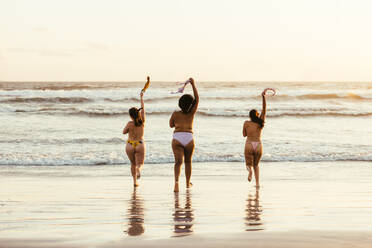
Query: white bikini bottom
point(183, 137)
point(254, 144)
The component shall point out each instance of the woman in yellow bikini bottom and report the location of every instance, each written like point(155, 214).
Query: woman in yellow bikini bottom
point(135, 147)
point(134, 143)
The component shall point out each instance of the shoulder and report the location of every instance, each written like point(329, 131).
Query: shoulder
point(130, 123)
point(250, 124)
point(175, 113)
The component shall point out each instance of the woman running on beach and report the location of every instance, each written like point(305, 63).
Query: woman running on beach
point(183, 141)
point(135, 148)
point(253, 146)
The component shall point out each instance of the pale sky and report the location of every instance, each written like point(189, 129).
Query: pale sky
point(211, 40)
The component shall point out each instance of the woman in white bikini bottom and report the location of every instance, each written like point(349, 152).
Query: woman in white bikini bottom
point(183, 148)
point(252, 153)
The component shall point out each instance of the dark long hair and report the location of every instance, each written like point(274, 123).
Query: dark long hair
point(135, 114)
point(186, 103)
point(254, 117)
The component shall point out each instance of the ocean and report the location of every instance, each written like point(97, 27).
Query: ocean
point(81, 123)
point(65, 177)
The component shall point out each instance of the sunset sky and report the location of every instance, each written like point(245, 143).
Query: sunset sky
point(211, 40)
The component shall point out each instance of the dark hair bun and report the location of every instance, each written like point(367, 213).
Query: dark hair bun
point(186, 102)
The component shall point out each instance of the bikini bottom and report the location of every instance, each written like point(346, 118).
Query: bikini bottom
point(135, 143)
point(183, 137)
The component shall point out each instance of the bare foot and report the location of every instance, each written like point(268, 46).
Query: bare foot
point(250, 174)
point(136, 184)
point(176, 187)
point(190, 185)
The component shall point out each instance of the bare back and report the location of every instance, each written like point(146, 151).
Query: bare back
point(134, 132)
point(182, 122)
point(252, 131)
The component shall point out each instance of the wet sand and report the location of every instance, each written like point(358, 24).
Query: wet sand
point(305, 239)
point(298, 205)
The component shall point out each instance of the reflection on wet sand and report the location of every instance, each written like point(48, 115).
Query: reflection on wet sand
point(135, 215)
point(183, 217)
point(253, 212)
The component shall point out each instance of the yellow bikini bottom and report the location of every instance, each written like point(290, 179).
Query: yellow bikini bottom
point(134, 143)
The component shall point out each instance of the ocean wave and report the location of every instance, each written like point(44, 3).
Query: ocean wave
point(65, 86)
point(53, 109)
point(286, 97)
point(76, 86)
point(94, 113)
point(274, 113)
point(61, 141)
point(47, 100)
point(75, 100)
point(288, 114)
point(242, 98)
point(350, 96)
point(115, 98)
point(136, 99)
point(34, 160)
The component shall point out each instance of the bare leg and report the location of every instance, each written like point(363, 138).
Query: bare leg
point(189, 150)
point(257, 175)
point(133, 169)
point(140, 158)
point(257, 158)
point(178, 152)
point(130, 153)
point(250, 173)
point(249, 159)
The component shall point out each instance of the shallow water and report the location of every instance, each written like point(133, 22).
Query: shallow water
point(98, 203)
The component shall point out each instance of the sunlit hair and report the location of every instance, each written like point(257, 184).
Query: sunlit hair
point(136, 115)
point(253, 114)
point(186, 103)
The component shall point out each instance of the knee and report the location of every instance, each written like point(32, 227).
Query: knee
point(178, 163)
point(248, 163)
point(188, 161)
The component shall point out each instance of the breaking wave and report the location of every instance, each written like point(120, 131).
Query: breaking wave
point(273, 113)
point(118, 159)
point(47, 100)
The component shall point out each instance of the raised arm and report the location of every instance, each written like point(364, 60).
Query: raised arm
point(142, 108)
point(196, 96)
point(263, 111)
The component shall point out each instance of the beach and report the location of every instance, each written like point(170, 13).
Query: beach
point(307, 204)
point(267, 102)
point(65, 178)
